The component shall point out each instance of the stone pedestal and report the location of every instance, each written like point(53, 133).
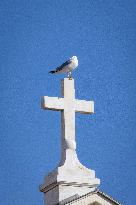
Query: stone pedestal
point(68, 180)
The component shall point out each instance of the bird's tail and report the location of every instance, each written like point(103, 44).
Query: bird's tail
point(52, 71)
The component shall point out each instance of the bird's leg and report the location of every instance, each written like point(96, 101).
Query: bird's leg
point(69, 75)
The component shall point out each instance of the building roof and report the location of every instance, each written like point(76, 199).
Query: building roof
point(108, 197)
point(77, 197)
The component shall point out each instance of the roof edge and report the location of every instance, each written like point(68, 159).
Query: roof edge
point(97, 191)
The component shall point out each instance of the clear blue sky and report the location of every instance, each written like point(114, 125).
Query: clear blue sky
point(35, 37)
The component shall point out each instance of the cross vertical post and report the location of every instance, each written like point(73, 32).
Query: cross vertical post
point(68, 144)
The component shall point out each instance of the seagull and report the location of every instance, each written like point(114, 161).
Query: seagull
point(67, 67)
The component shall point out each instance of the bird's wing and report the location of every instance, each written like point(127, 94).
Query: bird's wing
point(63, 65)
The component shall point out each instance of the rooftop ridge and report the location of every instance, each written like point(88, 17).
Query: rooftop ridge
point(97, 191)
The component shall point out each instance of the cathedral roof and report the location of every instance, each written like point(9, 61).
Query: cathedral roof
point(75, 198)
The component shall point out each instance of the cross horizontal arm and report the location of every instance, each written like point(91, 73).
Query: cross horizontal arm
point(52, 103)
point(85, 107)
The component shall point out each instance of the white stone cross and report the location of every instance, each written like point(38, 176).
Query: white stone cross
point(68, 105)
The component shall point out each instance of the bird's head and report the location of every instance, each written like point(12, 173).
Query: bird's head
point(74, 58)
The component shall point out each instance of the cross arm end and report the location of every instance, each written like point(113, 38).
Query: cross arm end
point(85, 107)
point(52, 103)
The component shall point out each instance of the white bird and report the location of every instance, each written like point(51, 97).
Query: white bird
point(67, 67)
